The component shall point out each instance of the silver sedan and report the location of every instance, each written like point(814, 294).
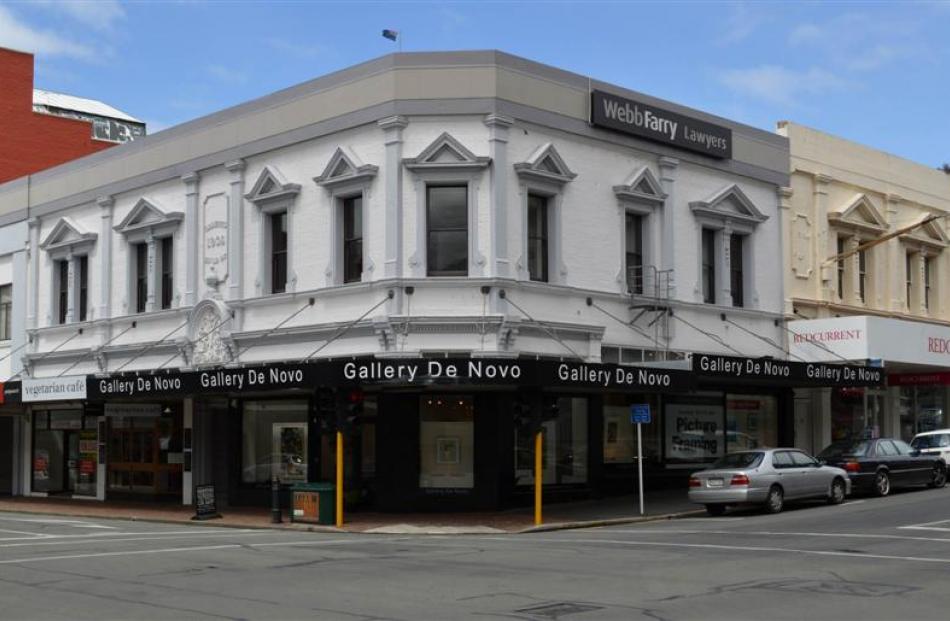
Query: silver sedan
point(766, 477)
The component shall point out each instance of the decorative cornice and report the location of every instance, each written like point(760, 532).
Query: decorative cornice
point(546, 165)
point(106, 202)
point(498, 120)
point(235, 165)
point(393, 122)
point(428, 159)
point(345, 167)
point(271, 186)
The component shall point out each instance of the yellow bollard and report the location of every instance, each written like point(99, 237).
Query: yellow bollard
point(538, 468)
point(339, 479)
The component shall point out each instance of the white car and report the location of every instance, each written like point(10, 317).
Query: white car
point(935, 442)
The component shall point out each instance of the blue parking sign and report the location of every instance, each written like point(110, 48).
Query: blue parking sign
point(640, 413)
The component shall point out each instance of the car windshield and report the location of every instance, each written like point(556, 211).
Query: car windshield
point(856, 449)
point(934, 441)
point(750, 459)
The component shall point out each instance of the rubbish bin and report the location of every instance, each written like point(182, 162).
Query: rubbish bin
point(313, 503)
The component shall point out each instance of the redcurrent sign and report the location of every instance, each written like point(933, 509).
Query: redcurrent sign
point(938, 345)
point(646, 121)
point(828, 336)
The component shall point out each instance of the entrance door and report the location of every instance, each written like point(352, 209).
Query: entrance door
point(71, 476)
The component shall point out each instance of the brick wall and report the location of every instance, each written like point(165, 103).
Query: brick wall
point(30, 141)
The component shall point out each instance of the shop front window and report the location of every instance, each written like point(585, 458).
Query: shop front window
point(620, 435)
point(564, 446)
point(65, 453)
point(145, 449)
point(751, 422)
point(274, 442)
point(694, 431)
point(447, 441)
point(922, 408)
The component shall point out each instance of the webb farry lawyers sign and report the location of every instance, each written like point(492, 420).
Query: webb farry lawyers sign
point(646, 121)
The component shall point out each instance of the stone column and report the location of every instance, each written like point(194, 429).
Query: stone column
point(894, 281)
point(724, 266)
point(668, 166)
point(793, 254)
point(498, 216)
point(18, 324)
point(34, 281)
point(106, 204)
point(71, 294)
point(236, 231)
point(393, 258)
point(919, 305)
point(191, 238)
point(853, 280)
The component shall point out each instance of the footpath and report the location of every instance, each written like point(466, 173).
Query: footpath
point(581, 514)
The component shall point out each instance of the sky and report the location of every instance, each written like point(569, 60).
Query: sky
point(874, 72)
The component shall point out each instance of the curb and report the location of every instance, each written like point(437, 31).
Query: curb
point(316, 528)
point(607, 522)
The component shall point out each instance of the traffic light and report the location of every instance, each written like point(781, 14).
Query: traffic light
point(523, 418)
point(351, 411)
point(326, 409)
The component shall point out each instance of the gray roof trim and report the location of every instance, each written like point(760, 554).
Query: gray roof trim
point(13, 217)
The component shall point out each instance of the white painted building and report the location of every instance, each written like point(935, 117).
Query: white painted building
point(417, 205)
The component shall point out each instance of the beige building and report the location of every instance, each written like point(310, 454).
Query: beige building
point(847, 300)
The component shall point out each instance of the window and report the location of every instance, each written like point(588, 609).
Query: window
point(709, 266)
point(840, 268)
point(353, 239)
point(801, 460)
point(278, 248)
point(167, 273)
point(909, 275)
point(782, 459)
point(928, 281)
point(274, 442)
point(564, 449)
point(83, 286)
point(751, 422)
point(634, 259)
point(885, 448)
point(447, 230)
point(862, 275)
point(62, 289)
point(537, 237)
point(735, 269)
point(447, 441)
point(141, 276)
point(6, 309)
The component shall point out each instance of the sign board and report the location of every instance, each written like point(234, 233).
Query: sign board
point(640, 413)
point(206, 507)
point(694, 432)
point(215, 243)
point(785, 372)
point(654, 123)
point(133, 409)
point(306, 507)
point(54, 388)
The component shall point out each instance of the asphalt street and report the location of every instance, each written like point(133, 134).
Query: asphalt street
point(866, 559)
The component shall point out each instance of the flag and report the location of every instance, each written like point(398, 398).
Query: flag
point(390, 34)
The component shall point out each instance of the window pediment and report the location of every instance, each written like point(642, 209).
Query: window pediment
point(146, 216)
point(641, 185)
point(930, 234)
point(860, 213)
point(271, 186)
point(545, 164)
point(729, 205)
point(345, 167)
point(68, 238)
point(446, 153)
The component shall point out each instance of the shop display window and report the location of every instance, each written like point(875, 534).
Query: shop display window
point(751, 422)
point(146, 455)
point(693, 431)
point(620, 435)
point(563, 449)
point(65, 452)
point(922, 408)
point(274, 442)
point(447, 441)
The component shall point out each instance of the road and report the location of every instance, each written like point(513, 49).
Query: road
point(870, 559)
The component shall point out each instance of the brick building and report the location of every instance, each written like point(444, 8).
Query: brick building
point(39, 129)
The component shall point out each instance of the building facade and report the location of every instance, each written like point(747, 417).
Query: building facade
point(851, 299)
point(426, 249)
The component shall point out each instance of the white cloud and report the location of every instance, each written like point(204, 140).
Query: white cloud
point(300, 50)
point(805, 33)
point(741, 22)
point(783, 86)
point(857, 41)
point(97, 14)
point(21, 36)
point(226, 74)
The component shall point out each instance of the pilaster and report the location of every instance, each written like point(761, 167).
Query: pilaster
point(668, 166)
point(106, 205)
point(498, 216)
point(191, 237)
point(34, 281)
point(236, 230)
point(392, 137)
point(825, 239)
point(151, 275)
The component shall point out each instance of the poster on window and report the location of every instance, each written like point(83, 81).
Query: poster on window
point(694, 432)
point(289, 459)
point(40, 465)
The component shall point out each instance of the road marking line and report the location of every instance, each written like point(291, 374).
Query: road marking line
point(659, 531)
point(130, 533)
point(84, 539)
point(886, 557)
point(23, 532)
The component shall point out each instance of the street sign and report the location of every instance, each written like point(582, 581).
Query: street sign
point(640, 413)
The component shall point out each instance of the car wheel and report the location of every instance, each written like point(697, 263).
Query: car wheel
point(836, 497)
point(882, 484)
point(775, 500)
point(939, 478)
point(715, 510)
